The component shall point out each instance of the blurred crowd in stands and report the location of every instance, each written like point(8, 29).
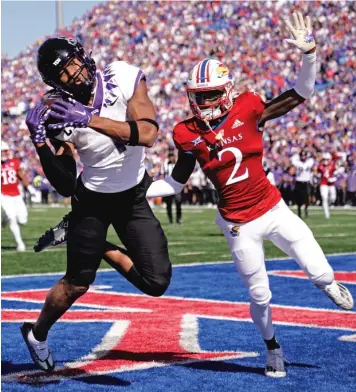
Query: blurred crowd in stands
point(166, 39)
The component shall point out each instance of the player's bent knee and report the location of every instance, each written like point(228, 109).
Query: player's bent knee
point(74, 289)
point(155, 289)
point(22, 221)
point(260, 295)
point(156, 286)
point(83, 278)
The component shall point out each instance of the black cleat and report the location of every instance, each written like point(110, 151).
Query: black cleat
point(40, 354)
point(54, 236)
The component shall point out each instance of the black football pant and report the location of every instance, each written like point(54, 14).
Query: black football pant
point(138, 229)
point(169, 202)
point(301, 195)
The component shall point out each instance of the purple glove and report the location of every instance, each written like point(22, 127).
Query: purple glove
point(69, 113)
point(35, 121)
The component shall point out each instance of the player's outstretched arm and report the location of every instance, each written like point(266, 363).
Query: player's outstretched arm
point(302, 38)
point(141, 130)
point(174, 183)
point(26, 184)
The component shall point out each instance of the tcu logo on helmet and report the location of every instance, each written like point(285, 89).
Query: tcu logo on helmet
point(71, 41)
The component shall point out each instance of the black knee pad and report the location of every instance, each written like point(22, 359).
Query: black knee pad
point(155, 289)
point(159, 284)
point(83, 278)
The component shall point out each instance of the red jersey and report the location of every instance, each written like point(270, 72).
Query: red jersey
point(327, 173)
point(9, 177)
point(234, 163)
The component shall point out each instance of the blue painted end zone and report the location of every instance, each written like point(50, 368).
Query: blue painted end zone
point(319, 360)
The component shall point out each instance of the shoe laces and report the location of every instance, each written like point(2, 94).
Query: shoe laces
point(276, 359)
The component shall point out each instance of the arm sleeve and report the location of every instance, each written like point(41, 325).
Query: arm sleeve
point(304, 85)
point(60, 170)
point(174, 183)
point(165, 187)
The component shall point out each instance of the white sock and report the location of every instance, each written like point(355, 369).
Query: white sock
point(326, 209)
point(16, 232)
point(262, 317)
point(41, 348)
point(31, 337)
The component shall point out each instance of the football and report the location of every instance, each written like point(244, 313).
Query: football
point(48, 101)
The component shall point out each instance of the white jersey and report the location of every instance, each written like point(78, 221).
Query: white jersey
point(304, 170)
point(109, 166)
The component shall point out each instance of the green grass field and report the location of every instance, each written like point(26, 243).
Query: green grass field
point(198, 239)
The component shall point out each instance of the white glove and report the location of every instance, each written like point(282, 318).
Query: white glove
point(301, 32)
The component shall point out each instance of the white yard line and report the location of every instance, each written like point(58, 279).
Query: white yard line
point(331, 235)
point(191, 253)
point(313, 226)
point(197, 264)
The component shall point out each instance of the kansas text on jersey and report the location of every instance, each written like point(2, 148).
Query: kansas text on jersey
point(233, 164)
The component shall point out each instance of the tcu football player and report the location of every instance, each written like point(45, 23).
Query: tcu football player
point(225, 137)
point(13, 207)
point(326, 170)
point(109, 119)
point(304, 168)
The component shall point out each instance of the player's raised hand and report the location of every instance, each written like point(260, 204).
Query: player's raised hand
point(35, 121)
point(301, 32)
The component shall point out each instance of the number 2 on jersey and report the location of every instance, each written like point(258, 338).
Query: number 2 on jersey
point(238, 159)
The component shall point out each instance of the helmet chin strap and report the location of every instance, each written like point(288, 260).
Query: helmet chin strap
point(219, 135)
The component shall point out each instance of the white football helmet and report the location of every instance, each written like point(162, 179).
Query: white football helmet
point(4, 146)
point(326, 158)
point(5, 152)
point(207, 76)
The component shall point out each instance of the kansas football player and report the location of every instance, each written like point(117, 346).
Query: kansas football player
point(225, 137)
point(13, 207)
point(326, 170)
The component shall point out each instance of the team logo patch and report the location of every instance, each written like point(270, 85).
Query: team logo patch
point(309, 38)
point(197, 141)
point(236, 124)
point(219, 135)
point(221, 71)
point(235, 231)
